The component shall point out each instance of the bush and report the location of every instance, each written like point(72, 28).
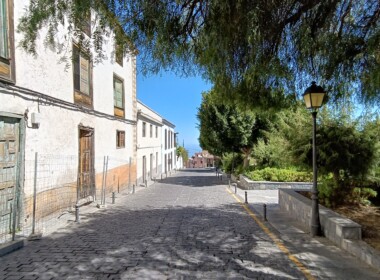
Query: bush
point(237, 161)
point(346, 191)
point(362, 195)
point(280, 175)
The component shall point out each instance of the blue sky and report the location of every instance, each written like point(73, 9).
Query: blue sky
point(177, 100)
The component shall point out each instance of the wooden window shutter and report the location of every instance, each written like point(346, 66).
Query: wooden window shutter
point(3, 29)
point(118, 93)
point(84, 75)
point(76, 69)
point(122, 139)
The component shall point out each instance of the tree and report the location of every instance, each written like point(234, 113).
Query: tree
point(347, 148)
point(286, 143)
point(225, 128)
point(258, 52)
point(182, 152)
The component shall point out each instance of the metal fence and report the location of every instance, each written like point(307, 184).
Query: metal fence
point(50, 186)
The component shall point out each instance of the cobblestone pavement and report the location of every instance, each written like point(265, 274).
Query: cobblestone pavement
point(185, 227)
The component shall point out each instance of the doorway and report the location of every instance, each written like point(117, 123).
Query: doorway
point(86, 186)
point(144, 169)
point(10, 173)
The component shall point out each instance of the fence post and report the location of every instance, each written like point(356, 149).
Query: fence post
point(34, 193)
point(77, 218)
point(246, 197)
point(265, 211)
point(105, 182)
point(133, 189)
point(104, 168)
point(129, 176)
point(113, 197)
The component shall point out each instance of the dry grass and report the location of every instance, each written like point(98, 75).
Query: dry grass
point(368, 217)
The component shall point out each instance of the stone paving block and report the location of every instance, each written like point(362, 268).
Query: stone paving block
point(168, 231)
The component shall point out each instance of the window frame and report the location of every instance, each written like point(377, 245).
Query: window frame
point(120, 141)
point(7, 64)
point(166, 139)
point(144, 129)
point(80, 96)
point(119, 111)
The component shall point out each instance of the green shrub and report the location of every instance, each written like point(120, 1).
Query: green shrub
point(362, 195)
point(327, 189)
point(334, 193)
point(234, 161)
point(280, 175)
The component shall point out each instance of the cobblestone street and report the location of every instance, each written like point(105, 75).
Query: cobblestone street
point(185, 227)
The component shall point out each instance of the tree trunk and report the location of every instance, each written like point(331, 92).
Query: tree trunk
point(246, 152)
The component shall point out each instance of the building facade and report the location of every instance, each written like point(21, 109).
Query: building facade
point(65, 135)
point(149, 143)
point(202, 160)
point(168, 147)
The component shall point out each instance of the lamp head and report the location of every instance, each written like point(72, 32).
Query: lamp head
point(314, 96)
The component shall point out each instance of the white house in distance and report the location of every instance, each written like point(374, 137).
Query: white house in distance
point(169, 146)
point(156, 146)
point(57, 126)
point(149, 154)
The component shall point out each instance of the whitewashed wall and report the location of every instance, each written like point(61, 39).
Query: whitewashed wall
point(148, 145)
point(58, 130)
point(169, 151)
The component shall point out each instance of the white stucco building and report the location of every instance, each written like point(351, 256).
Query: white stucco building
point(72, 118)
point(149, 143)
point(168, 146)
point(156, 146)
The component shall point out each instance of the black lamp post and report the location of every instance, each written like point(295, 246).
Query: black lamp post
point(313, 97)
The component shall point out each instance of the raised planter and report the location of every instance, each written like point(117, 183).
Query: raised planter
point(248, 184)
point(340, 230)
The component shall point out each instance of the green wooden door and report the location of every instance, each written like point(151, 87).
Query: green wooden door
point(9, 149)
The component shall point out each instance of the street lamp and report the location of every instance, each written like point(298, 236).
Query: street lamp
point(313, 97)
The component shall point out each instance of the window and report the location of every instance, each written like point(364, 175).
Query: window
point(170, 139)
point(118, 97)
point(82, 76)
point(4, 48)
point(120, 139)
point(156, 132)
point(166, 139)
point(151, 131)
point(143, 129)
point(6, 41)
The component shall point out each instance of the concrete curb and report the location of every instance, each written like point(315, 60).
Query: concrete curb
point(10, 247)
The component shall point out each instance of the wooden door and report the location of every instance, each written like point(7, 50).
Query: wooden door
point(9, 149)
point(86, 184)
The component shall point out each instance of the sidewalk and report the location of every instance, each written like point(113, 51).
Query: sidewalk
point(313, 252)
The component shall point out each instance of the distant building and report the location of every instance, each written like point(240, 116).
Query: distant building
point(156, 145)
point(201, 160)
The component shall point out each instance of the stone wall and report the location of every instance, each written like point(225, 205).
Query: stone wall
point(248, 184)
point(342, 231)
